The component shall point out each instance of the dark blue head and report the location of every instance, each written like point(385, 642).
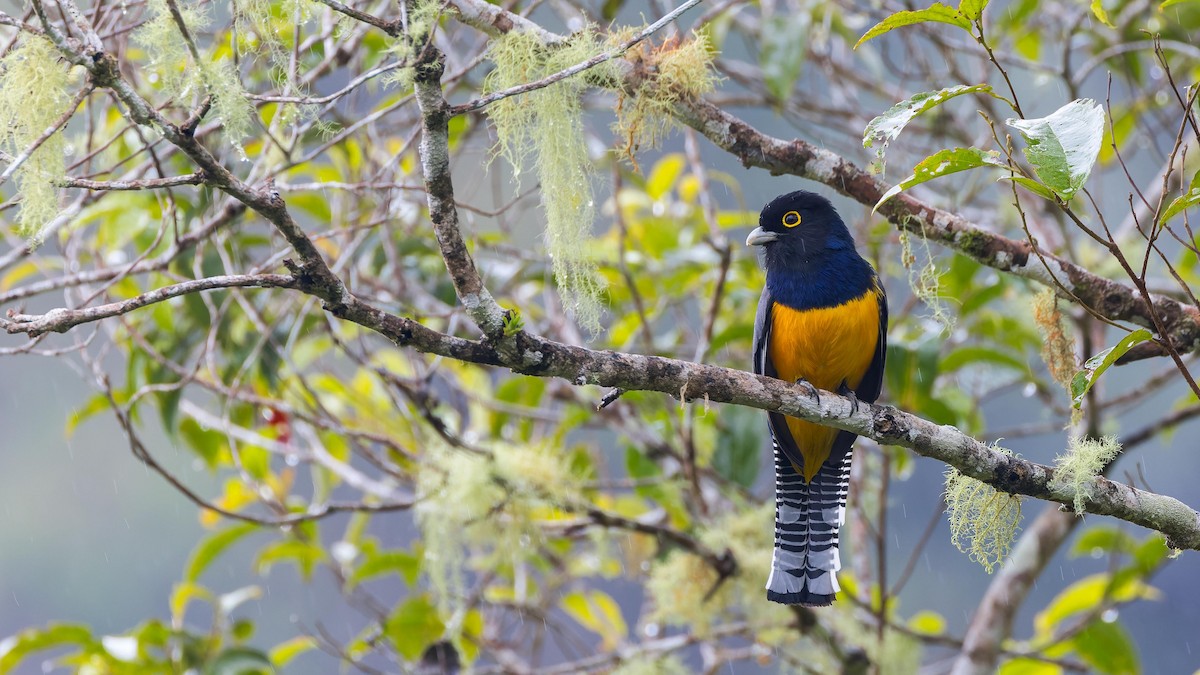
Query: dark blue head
point(810, 256)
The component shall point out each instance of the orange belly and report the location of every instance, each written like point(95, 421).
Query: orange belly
point(826, 347)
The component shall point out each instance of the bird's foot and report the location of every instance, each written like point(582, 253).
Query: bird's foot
point(849, 393)
point(810, 389)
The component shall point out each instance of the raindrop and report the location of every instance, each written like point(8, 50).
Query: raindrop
point(291, 460)
point(1029, 390)
point(1097, 552)
point(645, 566)
point(651, 630)
point(525, 541)
point(1109, 615)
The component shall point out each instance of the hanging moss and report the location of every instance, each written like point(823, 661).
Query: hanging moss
point(545, 128)
point(1058, 345)
point(983, 520)
point(172, 64)
point(924, 278)
point(33, 96)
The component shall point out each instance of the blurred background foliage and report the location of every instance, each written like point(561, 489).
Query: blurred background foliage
point(423, 514)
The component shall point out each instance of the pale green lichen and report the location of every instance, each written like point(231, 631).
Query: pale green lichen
point(674, 71)
point(983, 520)
point(924, 278)
point(33, 96)
point(682, 585)
point(422, 20)
point(486, 509)
point(169, 61)
point(545, 127)
point(229, 103)
point(1076, 471)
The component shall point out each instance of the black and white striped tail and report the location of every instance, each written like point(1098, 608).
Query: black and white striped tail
point(808, 518)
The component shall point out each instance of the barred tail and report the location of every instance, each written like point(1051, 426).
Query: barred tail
point(808, 518)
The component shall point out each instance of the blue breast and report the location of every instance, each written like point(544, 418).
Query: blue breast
point(830, 280)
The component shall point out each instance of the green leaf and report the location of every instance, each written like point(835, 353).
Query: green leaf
point(1028, 667)
point(1095, 366)
point(739, 445)
point(284, 652)
point(304, 554)
point(664, 175)
point(212, 547)
point(599, 613)
point(1098, 11)
point(240, 661)
point(1107, 648)
point(928, 622)
point(1063, 146)
point(79, 415)
point(887, 127)
point(1170, 3)
point(207, 443)
point(182, 595)
point(1033, 186)
point(972, 9)
point(1087, 594)
point(15, 650)
point(784, 46)
point(378, 564)
point(1151, 553)
point(1185, 201)
point(1103, 539)
point(964, 356)
point(937, 12)
point(414, 626)
point(943, 163)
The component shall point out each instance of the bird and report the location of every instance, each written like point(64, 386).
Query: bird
point(822, 322)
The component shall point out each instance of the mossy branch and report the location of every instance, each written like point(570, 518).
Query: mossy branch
point(533, 355)
point(797, 157)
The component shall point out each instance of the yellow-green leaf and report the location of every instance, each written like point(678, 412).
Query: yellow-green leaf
point(414, 626)
point(212, 547)
point(943, 163)
point(1095, 366)
point(1100, 14)
point(599, 613)
point(937, 12)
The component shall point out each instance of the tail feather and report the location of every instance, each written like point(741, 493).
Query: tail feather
point(808, 519)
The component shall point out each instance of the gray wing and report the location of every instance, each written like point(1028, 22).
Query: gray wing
point(763, 366)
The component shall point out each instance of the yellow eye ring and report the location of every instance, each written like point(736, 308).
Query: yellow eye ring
point(791, 219)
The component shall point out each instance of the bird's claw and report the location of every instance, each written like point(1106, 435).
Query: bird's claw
point(849, 393)
point(810, 389)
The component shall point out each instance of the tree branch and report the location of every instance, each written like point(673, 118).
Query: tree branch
point(62, 319)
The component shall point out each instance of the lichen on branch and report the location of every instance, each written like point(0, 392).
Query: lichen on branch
point(1084, 460)
point(667, 73)
point(33, 96)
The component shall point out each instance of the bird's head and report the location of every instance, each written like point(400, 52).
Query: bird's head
point(798, 229)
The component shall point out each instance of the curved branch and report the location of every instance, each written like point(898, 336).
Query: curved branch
point(62, 319)
point(885, 424)
point(1112, 299)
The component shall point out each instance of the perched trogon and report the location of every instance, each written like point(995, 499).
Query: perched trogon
point(822, 319)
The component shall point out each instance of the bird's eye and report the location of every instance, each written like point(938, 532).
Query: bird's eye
point(791, 219)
